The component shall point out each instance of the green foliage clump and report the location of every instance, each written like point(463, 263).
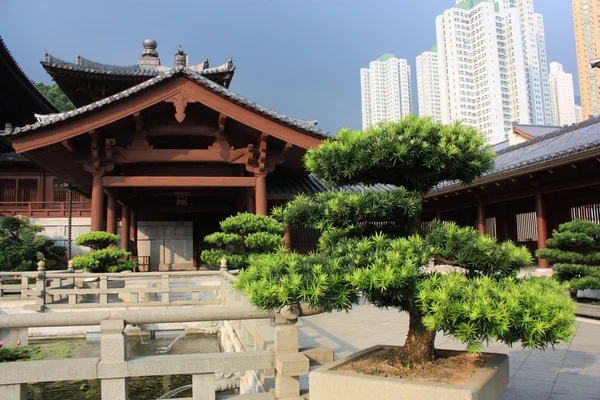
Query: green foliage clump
point(103, 257)
point(415, 153)
point(97, 240)
point(575, 251)
point(242, 235)
point(22, 246)
point(12, 353)
point(56, 96)
point(372, 245)
point(533, 311)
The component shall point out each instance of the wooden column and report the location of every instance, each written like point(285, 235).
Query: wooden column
point(542, 227)
point(261, 194)
point(97, 202)
point(125, 226)
point(111, 214)
point(287, 238)
point(481, 218)
point(438, 214)
point(250, 200)
point(133, 230)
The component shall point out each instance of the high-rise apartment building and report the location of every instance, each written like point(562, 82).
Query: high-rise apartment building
point(493, 67)
point(586, 18)
point(386, 90)
point(563, 96)
point(428, 84)
point(482, 68)
point(578, 113)
point(536, 60)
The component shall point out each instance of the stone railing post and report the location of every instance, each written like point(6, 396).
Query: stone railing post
point(71, 269)
point(224, 282)
point(289, 363)
point(40, 287)
point(24, 287)
point(113, 357)
point(165, 288)
point(103, 286)
point(203, 387)
point(13, 392)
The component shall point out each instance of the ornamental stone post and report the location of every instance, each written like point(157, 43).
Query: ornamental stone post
point(113, 367)
point(289, 363)
point(40, 287)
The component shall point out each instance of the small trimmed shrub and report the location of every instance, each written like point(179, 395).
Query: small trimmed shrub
point(242, 235)
point(575, 251)
point(97, 240)
point(103, 258)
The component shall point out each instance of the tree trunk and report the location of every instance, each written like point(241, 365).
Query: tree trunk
point(419, 347)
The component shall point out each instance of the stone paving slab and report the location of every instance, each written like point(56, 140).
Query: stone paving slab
point(570, 371)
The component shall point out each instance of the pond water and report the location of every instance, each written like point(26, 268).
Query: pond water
point(146, 388)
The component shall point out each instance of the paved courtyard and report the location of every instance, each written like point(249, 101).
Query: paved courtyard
point(570, 371)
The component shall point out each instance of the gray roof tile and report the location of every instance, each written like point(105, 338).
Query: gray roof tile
point(46, 120)
point(535, 130)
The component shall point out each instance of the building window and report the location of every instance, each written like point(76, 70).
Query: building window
point(18, 190)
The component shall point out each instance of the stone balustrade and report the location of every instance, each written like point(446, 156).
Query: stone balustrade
point(75, 289)
point(268, 352)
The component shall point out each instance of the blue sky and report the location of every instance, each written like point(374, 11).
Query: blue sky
point(301, 58)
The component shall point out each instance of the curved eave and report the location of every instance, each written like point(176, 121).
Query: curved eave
point(42, 104)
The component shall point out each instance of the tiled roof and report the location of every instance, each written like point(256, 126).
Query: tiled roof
point(555, 145)
point(535, 130)
point(9, 60)
point(311, 184)
point(85, 65)
point(501, 146)
point(51, 119)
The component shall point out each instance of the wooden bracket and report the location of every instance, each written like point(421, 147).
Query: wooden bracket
point(180, 101)
point(95, 149)
point(139, 122)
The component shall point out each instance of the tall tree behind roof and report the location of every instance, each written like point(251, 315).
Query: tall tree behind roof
point(56, 96)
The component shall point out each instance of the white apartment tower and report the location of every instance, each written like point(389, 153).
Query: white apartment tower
point(428, 84)
point(482, 68)
point(493, 67)
point(385, 90)
point(536, 60)
point(563, 96)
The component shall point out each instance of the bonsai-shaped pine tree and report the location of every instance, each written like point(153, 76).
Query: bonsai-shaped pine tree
point(575, 250)
point(483, 302)
point(105, 256)
point(242, 236)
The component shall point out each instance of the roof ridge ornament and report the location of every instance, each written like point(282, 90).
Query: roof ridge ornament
point(149, 58)
point(181, 59)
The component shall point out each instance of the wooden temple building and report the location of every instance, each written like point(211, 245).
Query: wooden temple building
point(165, 153)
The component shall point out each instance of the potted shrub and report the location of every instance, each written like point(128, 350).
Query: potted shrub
point(574, 250)
point(242, 235)
point(104, 257)
point(372, 245)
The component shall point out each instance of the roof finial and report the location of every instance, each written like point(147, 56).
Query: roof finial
point(181, 59)
point(149, 57)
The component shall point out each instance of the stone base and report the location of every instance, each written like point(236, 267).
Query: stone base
point(487, 384)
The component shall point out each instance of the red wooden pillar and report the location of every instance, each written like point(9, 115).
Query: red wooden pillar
point(542, 227)
point(111, 214)
point(261, 194)
point(125, 226)
point(97, 202)
point(250, 200)
point(133, 230)
point(287, 238)
point(481, 218)
point(438, 214)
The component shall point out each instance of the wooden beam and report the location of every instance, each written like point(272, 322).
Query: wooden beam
point(179, 181)
point(237, 156)
point(181, 130)
point(67, 144)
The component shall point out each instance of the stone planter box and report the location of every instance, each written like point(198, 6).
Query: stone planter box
point(588, 310)
point(327, 384)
